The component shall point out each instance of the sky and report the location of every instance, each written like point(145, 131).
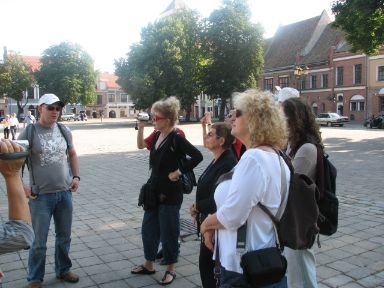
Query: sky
point(106, 29)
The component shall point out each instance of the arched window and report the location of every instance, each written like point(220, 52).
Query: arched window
point(357, 103)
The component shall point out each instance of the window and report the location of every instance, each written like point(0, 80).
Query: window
point(268, 84)
point(111, 98)
point(339, 76)
point(380, 73)
point(357, 103)
point(283, 82)
point(324, 80)
point(99, 99)
point(313, 82)
point(357, 73)
point(124, 98)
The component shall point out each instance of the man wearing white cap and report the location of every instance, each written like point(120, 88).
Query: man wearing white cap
point(52, 180)
point(287, 93)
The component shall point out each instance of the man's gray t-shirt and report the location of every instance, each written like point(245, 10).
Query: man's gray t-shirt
point(50, 167)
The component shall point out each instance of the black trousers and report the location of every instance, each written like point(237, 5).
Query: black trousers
point(206, 266)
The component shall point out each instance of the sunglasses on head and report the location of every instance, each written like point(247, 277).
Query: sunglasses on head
point(238, 113)
point(157, 118)
point(51, 108)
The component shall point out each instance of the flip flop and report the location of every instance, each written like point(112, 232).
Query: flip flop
point(14, 155)
point(172, 274)
point(142, 270)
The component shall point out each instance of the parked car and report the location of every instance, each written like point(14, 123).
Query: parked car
point(375, 122)
point(331, 119)
point(67, 117)
point(143, 116)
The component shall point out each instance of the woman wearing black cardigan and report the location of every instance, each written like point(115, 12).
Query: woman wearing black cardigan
point(218, 140)
point(162, 223)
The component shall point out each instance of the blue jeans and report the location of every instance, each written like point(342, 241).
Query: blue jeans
point(58, 205)
point(162, 224)
point(229, 279)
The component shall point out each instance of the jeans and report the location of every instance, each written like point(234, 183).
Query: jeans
point(13, 132)
point(58, 205)
point(229, 279)
point(301, 271)
point(162, 224)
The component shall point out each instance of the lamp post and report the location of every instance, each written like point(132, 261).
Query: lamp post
point(301, 72)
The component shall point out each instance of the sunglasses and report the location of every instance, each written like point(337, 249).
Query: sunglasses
point(210, 134)
point(51, 108)
point(157, 118)
point(238, 113)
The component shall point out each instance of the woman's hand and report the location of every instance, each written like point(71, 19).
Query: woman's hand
point(193, 211)
point(175, 175)
point(209, 239)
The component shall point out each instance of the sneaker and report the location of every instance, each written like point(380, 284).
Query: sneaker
point(34, 285)
point(69, 277)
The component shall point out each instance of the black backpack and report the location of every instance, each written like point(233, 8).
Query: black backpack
point(328, 203)
point(297, 228)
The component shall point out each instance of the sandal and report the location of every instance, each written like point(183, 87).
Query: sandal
point(170, 273)
point(142, 270)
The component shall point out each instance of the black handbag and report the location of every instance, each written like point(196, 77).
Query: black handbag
point(188, 180)
point(264, 266)
point(147, 196)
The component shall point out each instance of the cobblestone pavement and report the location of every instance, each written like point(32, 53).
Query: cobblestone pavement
point(106, 240)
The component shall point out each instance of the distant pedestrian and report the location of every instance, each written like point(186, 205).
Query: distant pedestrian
point(13, 125)
point(30, 119)
point(6, 125)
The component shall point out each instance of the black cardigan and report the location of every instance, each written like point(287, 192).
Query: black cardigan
point(165, 159)
point(206, 185)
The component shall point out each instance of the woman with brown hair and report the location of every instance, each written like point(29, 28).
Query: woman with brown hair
point(304, 146)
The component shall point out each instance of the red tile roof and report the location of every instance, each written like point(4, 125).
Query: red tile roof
point(33, 61)
point(110, 79)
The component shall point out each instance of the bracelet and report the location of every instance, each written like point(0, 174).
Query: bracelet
point(76, 177)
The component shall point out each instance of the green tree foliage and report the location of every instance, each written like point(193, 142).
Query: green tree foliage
point(68, 72)
point(15, 78)
point(233, 49)
point(363, 23)
point(166, 62)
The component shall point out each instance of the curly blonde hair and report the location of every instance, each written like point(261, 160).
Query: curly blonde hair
point(169, 108)
point(266, 122)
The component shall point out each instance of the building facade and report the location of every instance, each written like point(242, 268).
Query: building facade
point(314, 58)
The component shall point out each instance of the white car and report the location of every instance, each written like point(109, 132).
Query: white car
point(67, 117)
point(142, 116)
point(331, 119)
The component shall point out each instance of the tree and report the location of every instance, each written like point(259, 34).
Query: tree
point(166, 62)
point(15, 78)
point(67, 71)
point(234, 52)
point(363, 23)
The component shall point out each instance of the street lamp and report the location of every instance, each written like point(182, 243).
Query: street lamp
point(301, 72)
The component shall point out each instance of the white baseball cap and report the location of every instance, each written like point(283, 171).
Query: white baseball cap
point(286, 93)
point(50, 99)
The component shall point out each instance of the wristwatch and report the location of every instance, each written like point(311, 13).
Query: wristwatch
point(76, 177)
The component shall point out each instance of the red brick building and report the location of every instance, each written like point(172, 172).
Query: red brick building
point(335, 80)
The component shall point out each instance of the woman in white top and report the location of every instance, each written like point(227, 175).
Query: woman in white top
point(256, 178)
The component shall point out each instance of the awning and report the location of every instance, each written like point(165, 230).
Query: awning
point(357, 98)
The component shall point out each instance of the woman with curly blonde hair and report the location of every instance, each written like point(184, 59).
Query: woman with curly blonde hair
point(260, 125)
